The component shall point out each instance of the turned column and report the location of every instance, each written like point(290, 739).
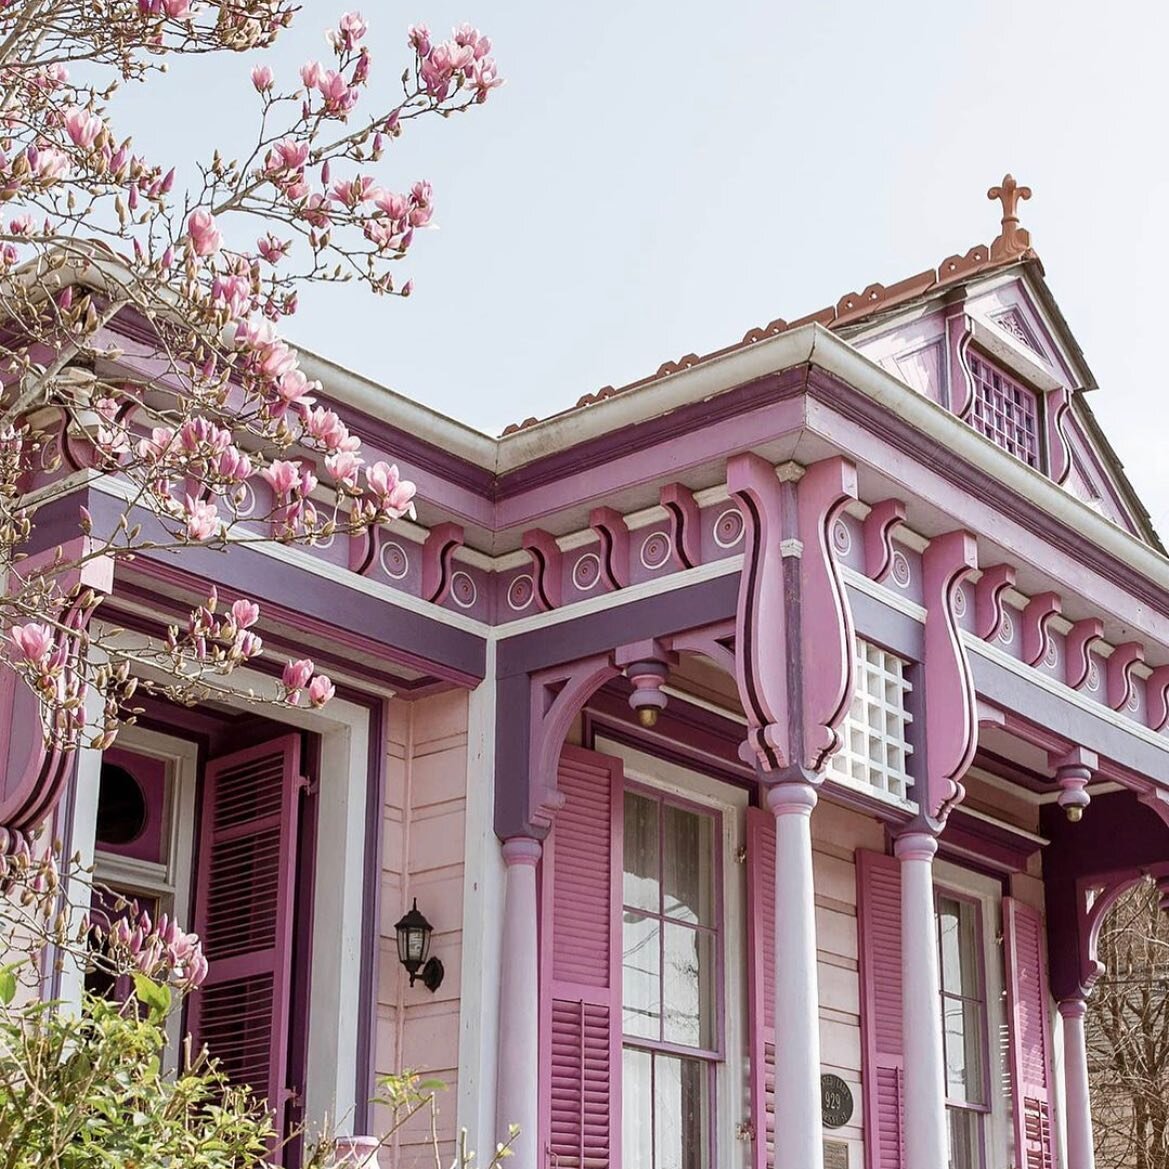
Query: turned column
point(926, 1144)
point(518, 1099)
point(1077, 1102)
point(798, 1137)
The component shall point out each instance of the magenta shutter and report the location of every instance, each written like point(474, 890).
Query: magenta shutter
point(1027, 996)
point(243, 914)
point(581, 967)
point(879, 912)
point(761, 980)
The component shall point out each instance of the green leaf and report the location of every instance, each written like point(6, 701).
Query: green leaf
point(7, 984)
point(153, 995)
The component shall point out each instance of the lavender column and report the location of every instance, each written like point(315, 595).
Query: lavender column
point(798, 1136)
point(518, 1094)
point(1077, 1102)
point(926, 1144)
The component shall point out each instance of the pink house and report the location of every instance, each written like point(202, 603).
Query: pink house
point(764, 741)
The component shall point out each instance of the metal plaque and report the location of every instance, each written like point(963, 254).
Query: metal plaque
point(835, 1101)
point(835, 1155)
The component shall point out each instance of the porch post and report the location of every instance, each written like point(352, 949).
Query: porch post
point(925, 1099)
point(518, 1100)
point(1077, 1103)
point(798, 1138)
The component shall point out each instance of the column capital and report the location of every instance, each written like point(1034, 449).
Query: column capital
point(521, 850)
point(793, 798)
point(915, 846)
point(1074, 1008)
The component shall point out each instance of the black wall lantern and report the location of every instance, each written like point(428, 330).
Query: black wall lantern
point(414, 948)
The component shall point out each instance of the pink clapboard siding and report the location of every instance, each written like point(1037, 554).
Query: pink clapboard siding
point(1027, 998)
point(761, 980)
point(581, 975)
point(879, 909)
point(244, 914)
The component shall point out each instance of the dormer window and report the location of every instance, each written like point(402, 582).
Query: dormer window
point(1005, 411)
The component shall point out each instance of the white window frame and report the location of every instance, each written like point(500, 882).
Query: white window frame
point(732, 1075)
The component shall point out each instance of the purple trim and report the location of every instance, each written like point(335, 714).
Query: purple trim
point(990, 848)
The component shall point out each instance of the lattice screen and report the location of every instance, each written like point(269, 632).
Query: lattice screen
point(876, 747)
point(1006, 412)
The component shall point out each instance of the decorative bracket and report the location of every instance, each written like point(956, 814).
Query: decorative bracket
point(877, 532)
point(685, 524)
point(1157, 698)
point(951, 711)
point(1036, 617)
point(1059, 453)
point(614, 534)
point(647, 666)
point(437, 555)
point(1074, 770)
point(988, 599)
point(546, 567)
point(1078, 650)
point(1118, 673)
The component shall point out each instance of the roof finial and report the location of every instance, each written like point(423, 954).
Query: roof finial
point(1013, 242)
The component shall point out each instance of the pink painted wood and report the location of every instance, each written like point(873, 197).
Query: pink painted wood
point(244, 901)
point(879, 911)
point(580, 977)
point(1027, 1000)
point(761, 981)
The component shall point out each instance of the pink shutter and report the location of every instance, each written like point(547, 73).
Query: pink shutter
point(761, 980)
point(243, 914)
point(1027, 996)
point(581, 967)
point(879, 911)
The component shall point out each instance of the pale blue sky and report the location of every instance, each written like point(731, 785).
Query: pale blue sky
point(660, 175)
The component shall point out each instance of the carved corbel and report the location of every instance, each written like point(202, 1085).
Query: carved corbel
point(951, 712)
point(1118, 673)
point(442, 541)
point(958, 335)
point(614, 536)
point(685, 524)
point(1059, 451)
point(988, 599)
point(1036, 618)
point(556, 696)
point(1078, 650)
point(877, 532)
point(546, 567)
point(1157, 698)
point(1074, 770)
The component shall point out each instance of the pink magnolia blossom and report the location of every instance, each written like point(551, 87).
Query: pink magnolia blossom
point(392, 494)
point(262, 78)
point(339, 96)
point(292, 388)
point(344, 466)
point(51, 164)
point(34, 641)
point(158, 445)
point(418, 39)
point(272, 249)
point(202, 232)
point(233, 465)
point(248, 644)
point(352, 29)
point(202, 517)
point(282, 475)
point(177, 9)
point(297, 674)
point(320, 690)
point(355, 191)
point(286, 155)
point(245, 613)
point(311, 73)
point(328, 429)
point(83, 126)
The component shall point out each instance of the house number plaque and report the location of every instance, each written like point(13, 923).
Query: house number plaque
point(835, 1101)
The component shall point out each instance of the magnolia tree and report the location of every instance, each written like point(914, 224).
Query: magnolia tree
point(140, 345)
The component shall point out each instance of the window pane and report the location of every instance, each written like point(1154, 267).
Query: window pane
point(641, 982)
point(637, 1109)
point(962, 1027)
point(965, 1145)
point(958, 943)
point(689, 875)
point(642, 865)
point(681, 1113)
point(689, 989)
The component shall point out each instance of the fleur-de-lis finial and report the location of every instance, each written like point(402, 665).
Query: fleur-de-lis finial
point(1013, 241)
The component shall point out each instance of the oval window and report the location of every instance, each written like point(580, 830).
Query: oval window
point(121, 806)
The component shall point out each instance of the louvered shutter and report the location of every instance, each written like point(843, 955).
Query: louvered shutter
point(761, 980)
point(244, 914)
point(879, 911)
point(1027, 997)
point(581, 967)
